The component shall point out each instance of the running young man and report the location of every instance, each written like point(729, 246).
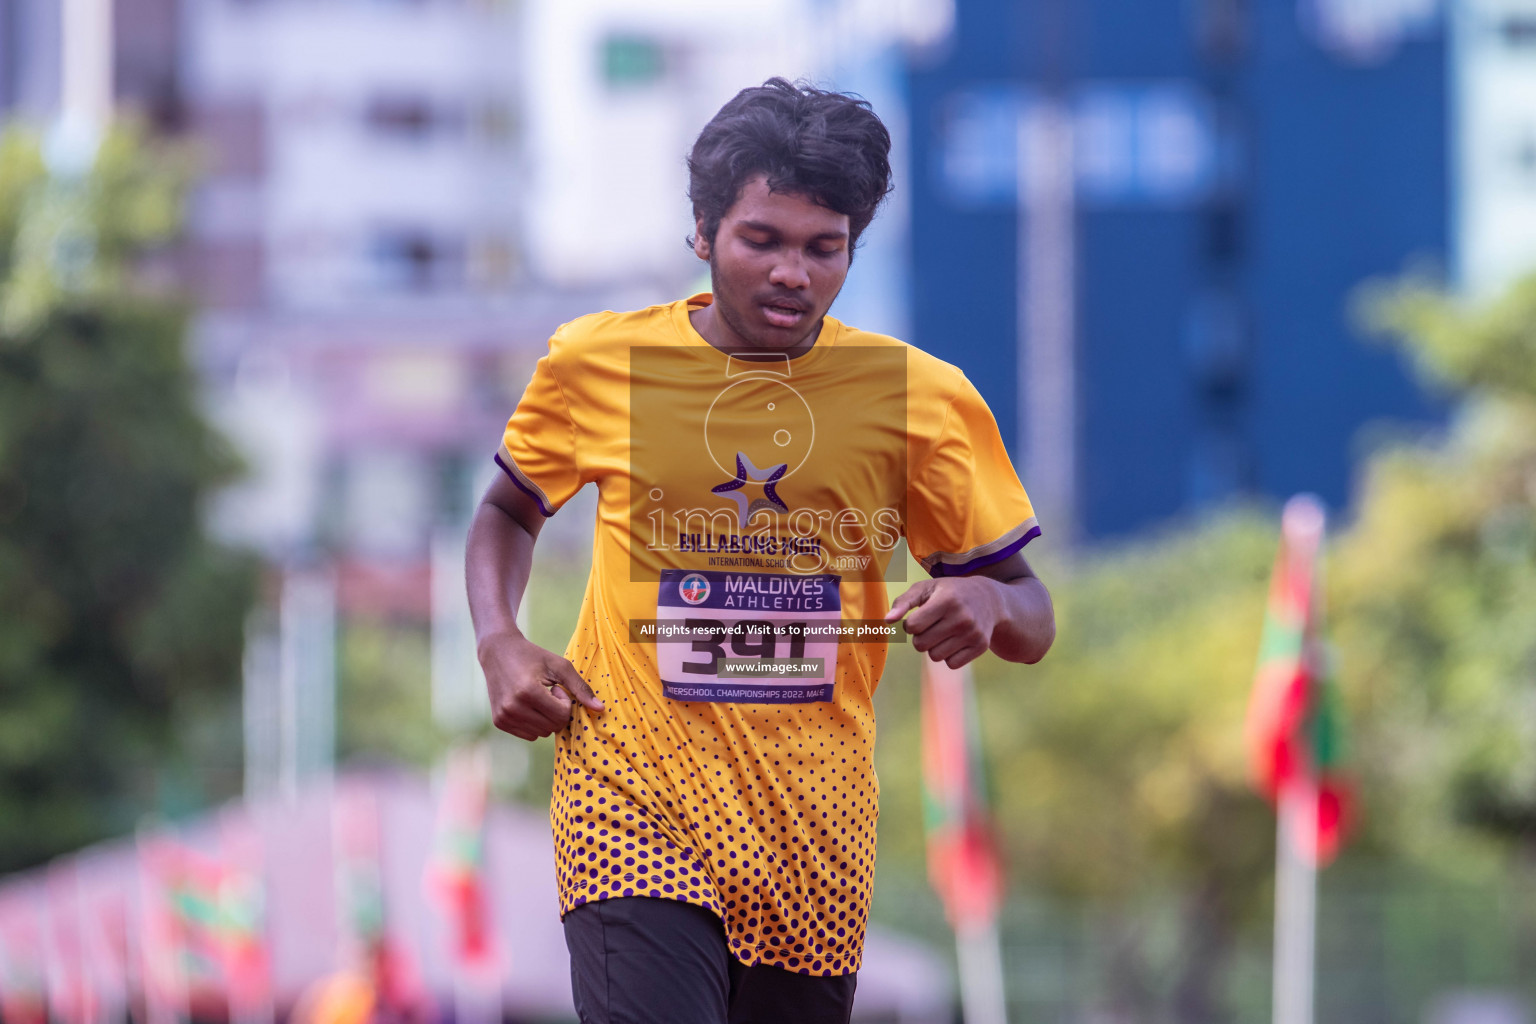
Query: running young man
point(758, 466)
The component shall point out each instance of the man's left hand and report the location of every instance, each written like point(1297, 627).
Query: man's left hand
point(951, 619)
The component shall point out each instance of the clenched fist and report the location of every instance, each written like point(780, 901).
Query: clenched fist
point(952, 619)
point(531, 690)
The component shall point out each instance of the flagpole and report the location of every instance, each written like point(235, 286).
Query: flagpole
point(962, 858)
point(980, 950)
point(1295, 904)
point(166, 996)
point(1294, 752)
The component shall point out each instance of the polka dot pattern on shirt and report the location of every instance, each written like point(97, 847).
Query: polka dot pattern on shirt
point(763, 814)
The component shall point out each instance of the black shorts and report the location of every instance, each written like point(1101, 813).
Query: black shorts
point(640, 960)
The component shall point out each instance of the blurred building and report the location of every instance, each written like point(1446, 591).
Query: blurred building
point(1232, 172)
point(404, 201)
point(398, 204)
point(356, 251)
point(1495, 61)
point(617, 91)
point(401, 201)
point(144, 36)
point(364, 153)
point(367, 321)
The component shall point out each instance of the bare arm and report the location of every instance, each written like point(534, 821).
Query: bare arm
point(531, 690)
point(1001, 607)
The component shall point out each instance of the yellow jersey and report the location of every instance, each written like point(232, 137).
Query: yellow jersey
point(749, 511)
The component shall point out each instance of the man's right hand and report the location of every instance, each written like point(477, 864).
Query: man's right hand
point(531, 689)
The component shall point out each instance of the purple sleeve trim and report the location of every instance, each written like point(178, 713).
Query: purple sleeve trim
point(941, 570)
point(545, 512)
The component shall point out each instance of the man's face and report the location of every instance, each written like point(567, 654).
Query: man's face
point(776, 263)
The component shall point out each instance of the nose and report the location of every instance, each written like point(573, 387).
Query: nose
point(789, 271)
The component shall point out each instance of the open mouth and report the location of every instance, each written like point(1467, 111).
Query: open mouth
point(783, 314)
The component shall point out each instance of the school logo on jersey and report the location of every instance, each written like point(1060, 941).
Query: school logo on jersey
point(694, 588)
point(747, 507)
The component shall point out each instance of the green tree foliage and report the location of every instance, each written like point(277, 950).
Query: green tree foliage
point(387, 708)
point(1102, 754)
point(1120, 773)
point(1127, 740)
point(1435, 584)
point(120, 621)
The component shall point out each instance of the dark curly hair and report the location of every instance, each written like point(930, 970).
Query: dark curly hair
point(828, 146)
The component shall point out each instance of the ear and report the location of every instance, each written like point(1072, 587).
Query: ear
point(701, 245)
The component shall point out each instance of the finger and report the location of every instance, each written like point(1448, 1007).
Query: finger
point(914, 596)
point(531, 723)
point(957, 641)
point(509, 720)
point(965, 657)
point(934, 610)
point(557, 709)
point(957, 630)
point(571, 681)
point(940, 631)
point(508, 726)
point(948, 645)
point(547, 707)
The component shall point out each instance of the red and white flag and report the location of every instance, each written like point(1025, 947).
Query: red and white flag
point(23, 971)
point(456, 871)
point(964, 865)
point(72, 996)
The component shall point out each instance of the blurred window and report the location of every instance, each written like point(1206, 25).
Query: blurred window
point(1216, 343)
point(229, 273)
point(235, 133)
point(493, 262)
point(1519, 29)
point(1176, 144)
point(415, 259)
point(410, 118)
point(632, 61)
point(1223, 28)
point(1523, 154)
point(1223, 234)
point(1368, 31)
point(497, 122)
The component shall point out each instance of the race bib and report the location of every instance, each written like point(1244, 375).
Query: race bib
point(747, 637)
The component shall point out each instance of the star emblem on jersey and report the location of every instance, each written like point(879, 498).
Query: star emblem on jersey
point(745, 473)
